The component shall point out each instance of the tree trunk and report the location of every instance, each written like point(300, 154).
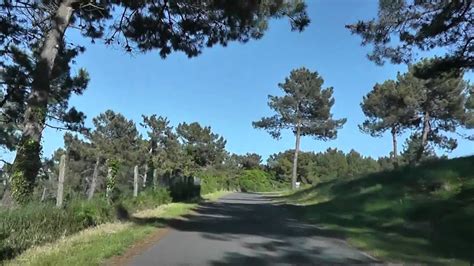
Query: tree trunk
point(394, 143)
point(27, 161)
point(295, 158)
point(424, 136)
point(135, 181)
point(62, 173)
point(95, 174)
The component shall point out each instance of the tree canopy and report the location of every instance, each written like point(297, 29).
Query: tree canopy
point(404, 27)
point(305, 109)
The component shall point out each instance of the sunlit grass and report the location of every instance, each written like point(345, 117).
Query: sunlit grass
point(93, 246)
point(215, 195)
point(421, 215)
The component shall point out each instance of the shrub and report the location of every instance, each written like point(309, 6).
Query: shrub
point(183, 188)
point(216, 181)
point(39, 223)
point(254, 181)
point(147, 199)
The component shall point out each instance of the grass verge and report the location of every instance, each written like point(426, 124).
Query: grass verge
point(419, 215)
point(93, 246)
point(96, 245)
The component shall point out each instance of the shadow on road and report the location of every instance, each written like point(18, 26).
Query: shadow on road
point(264, 228)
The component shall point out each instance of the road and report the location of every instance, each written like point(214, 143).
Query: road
point(246, 229)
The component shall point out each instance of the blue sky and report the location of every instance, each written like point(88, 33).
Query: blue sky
point(227, 87)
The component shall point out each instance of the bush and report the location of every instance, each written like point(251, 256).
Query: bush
point(254, 181)
point(147, 200)
point(212, 181)
point(39, 223)
point(183, 188)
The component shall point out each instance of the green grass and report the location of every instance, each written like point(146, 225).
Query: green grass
point(423, 214)
point(93, 246)
point(215, 195)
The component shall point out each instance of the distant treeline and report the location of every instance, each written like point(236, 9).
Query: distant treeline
point(115, 144)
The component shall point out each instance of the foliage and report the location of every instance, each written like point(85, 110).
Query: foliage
point(254, 181)
point(95, 245)
point(161, 25)
point(213, 180)
point(17, 83)
point(430, 106)
point(147, 199)
point(183, 188)
point(247, 161)
point(412, 146)
point(201, 145)
point(439, 103)
point(404, 26)
point(389, 106)
point(305, 109)
point(410, 215)
point(40, 223)
point(314, 168)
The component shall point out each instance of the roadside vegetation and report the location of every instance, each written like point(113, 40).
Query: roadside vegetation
point(418, 214)
point(95, 245)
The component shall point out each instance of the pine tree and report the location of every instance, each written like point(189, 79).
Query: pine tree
point(305, 109)
point(201, 145)
point(388, 106)
point(440, 104)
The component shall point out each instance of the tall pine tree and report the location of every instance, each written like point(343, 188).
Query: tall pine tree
point(305, 109)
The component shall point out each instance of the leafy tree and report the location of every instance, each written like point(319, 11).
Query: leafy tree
point(305, 109)
point(167, 26)
point(331, 164)
point(118, 142)
point(440, 102)
point(280, 165)
point(82, 157)
point(404, 26)
point(248, 161)
point(357, 164)
point(201, 145)
point(319, 167)
point(388, 106)
point(164, 148)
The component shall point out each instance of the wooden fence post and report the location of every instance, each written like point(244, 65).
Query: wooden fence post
point(135, 181)
point(145, 176)
point(155, 178)
point(95, 174)
point(108, 188)
point(62, 173)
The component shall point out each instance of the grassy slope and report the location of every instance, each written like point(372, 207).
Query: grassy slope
point(423, 214)
point(93, 246)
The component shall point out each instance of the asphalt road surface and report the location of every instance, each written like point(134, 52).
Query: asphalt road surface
point(246, 229)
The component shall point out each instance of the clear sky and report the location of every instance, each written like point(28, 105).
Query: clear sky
point(227, 87)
